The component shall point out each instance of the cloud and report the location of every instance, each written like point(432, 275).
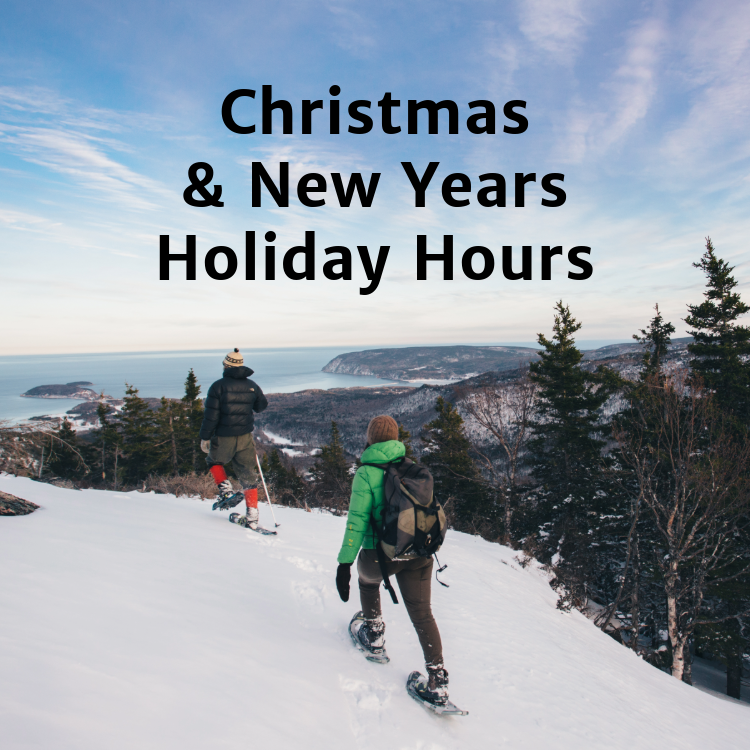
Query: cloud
point(628, 95)
point(555, 26)
point(82, 158)
point(714, 66)
point(71, 139)
point(502, 51)
point(306, 156)
point(32, 103)
point(23, 221)
point(353, 33)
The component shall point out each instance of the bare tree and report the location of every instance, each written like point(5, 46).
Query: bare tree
point(504, 411)
point(22, 448)
point(691, 473)
point(18, 447)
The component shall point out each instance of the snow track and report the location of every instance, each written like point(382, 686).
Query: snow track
point(130, 620)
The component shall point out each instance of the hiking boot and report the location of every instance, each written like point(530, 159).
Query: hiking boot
point(227, 497)
point(371, 635)
point(251, 518)
point(435, 691)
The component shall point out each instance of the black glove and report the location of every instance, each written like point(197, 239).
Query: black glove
point(343, 576)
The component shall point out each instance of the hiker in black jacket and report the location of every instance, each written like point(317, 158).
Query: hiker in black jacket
point(226, 434)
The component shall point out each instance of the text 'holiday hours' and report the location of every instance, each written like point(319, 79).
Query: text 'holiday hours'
point(300, 262)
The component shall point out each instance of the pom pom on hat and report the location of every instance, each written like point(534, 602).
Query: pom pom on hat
point(234, 359)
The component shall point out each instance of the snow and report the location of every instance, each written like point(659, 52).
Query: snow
point(141, 620)
point(278, 439)
point(292, 452)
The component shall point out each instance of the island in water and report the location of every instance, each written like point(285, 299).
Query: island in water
point(77, 389)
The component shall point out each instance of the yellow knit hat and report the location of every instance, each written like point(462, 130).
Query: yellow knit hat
point(234, 359)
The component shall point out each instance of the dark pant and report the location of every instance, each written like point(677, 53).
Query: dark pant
point(414, 578)
point(240, 450)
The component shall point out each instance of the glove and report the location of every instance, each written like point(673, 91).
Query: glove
point(205, 446)
point(343, 575)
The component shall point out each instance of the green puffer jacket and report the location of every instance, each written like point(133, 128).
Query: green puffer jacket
point(367, 499)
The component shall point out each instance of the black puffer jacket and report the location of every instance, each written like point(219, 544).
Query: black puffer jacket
point(231, 403)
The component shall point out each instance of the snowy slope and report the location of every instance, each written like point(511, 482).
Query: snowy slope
point(146, 621)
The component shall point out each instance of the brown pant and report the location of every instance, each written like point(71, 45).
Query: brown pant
point(414, 578)
point(240, 451)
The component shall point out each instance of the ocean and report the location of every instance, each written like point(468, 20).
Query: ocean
point(157, 374)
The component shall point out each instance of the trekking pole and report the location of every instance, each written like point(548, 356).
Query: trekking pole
point(268, 496)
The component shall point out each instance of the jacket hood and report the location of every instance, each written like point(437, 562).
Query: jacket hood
point(382, 453)
point(237, 372)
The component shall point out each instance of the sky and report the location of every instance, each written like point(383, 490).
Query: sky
point(643, 106)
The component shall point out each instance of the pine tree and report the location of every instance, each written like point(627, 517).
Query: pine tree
point(568, 439)
point(627, 534)
point(721, 359)
point(136, 425)
point(168, 443)
point(284, 482)
point(190, 427)
point(108, 443)
point(729, 638)
point(67, 455)
point(330, 474)
point(721, 347)
point(565, 454)
point(405, 437)
point(656, 340)
point(458, 483)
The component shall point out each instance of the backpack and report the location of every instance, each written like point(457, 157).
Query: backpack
point(414, 523)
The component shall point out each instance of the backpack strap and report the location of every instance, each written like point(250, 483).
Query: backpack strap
point(379, 546)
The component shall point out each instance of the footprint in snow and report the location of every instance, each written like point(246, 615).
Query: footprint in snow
point(310, 595)
point(307, 565)
point(367, 705)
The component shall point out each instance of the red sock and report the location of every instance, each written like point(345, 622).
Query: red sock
point(218, 473)
point(251, 498)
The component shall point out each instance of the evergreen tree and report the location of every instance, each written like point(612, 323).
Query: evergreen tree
point(405, 437)
point(728, 638)
point(136, 426)
point(66, 453)
point(168, 440)
point(108, 444)
point(284, 481)
point(330, 474)
point(656, 340)
point(458, 483)
point(721, 359)
point(632, 584)
point(568, 435)
point(191, 425)
point(721, 347)
point(565, 453)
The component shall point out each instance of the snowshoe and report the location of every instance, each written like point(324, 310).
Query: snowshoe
point(370, 644)
point(417, 687)
point(241, 520)
point(227, 500)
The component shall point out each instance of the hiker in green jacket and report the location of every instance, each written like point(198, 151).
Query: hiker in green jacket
point(413, 574)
